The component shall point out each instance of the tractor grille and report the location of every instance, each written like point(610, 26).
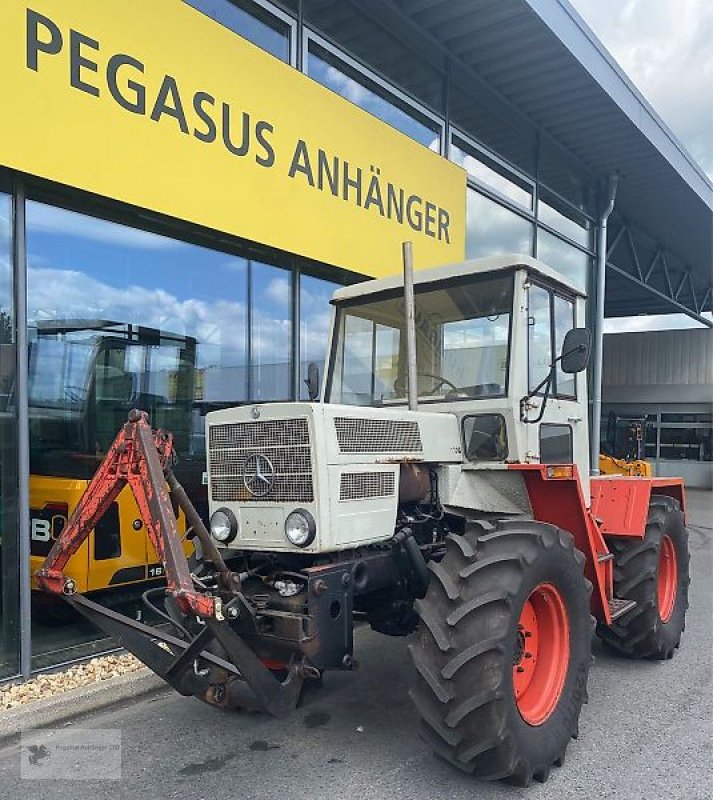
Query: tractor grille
point(377, 435)
point(285, 442)
point(362, 485)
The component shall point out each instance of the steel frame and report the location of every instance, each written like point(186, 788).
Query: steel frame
point(678, 286)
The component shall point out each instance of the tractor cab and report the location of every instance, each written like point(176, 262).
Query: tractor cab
point(489, 344)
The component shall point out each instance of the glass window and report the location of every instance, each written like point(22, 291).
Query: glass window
point(540, 335)
point(485, 437)
point(121, 318)
point(567, 222)
point(315, 319)
point(462, 345)
point(251, 22)
point(270, 340)
point(477, 166)
point(493, 229)
point(355, 87)
point(570, 262)
point(565, 384)
point(556, 444)
point(686, 436)
point(9, 540)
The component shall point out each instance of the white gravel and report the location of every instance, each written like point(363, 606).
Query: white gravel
point(45, 685)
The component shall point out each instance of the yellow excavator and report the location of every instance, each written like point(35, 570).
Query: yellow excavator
point(623, 450)
point(84, 377)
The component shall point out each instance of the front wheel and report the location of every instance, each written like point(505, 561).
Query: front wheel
point(503, 650)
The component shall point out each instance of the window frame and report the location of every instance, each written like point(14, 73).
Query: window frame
point(375, 83)
point(570, 298)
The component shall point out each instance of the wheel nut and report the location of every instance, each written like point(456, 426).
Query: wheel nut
point(319, 587)
point(520, 669)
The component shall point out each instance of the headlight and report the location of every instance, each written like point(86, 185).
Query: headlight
point(223, 525)
point(300, 529)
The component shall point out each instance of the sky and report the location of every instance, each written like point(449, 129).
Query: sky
point(666, 48)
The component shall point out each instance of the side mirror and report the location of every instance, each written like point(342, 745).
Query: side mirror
point(575, 350)
point(312, 381)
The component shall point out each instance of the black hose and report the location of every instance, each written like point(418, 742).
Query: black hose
point(405, 538)
point(162, 614)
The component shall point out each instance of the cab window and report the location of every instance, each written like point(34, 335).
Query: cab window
point(550, 316)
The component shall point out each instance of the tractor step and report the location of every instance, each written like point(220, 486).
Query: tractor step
point(602, 557)
point(618, 607)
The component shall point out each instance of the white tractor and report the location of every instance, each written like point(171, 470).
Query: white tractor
point(437, 486)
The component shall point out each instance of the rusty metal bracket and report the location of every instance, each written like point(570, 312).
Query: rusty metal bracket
point(138, 457)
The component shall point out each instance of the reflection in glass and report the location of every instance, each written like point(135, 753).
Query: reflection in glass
point(565, 384)
point(256, 25)
point(462, 345)
point(120, 318)
point(9, 577)
point(270, 340)
point(476, 168)
point(345, 83)
point(539, 335)
point(315, 319)
point(577, 228)
point(572, 263)
point(493, 229)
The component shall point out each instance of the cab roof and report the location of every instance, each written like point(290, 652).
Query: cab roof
point(476, 266)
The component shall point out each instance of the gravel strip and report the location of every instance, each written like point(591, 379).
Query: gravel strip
point(46, 685)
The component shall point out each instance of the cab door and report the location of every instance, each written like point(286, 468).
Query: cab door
point(562, 435)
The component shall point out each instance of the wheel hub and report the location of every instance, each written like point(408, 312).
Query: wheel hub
point(541, 654)
point(667, 578)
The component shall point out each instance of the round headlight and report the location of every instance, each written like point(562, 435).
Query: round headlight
point(223, 525)
point(300, 529)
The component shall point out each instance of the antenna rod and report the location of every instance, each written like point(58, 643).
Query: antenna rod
point(412, 381)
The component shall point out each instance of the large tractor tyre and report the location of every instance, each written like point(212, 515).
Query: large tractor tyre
point(503, 650)
point(653, 571)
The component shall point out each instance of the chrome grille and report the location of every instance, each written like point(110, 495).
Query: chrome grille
point(285, 442)
point(356, 435)
point(362, 485)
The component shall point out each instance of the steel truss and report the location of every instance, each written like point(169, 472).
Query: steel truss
point(649, 266)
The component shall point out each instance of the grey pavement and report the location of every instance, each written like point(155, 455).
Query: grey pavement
point(646, 733)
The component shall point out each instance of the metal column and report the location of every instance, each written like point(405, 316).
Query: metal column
point(598, 351)
point(23, 428)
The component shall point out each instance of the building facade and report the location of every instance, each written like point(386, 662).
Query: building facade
point(667, 378)
point(186, 183)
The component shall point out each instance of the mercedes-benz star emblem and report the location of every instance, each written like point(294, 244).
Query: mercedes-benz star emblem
point(258, 475)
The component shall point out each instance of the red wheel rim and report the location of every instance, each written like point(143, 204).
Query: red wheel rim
point(668, 578)
point(541, 654)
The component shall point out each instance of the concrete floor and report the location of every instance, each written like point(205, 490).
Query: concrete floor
point(646, 733)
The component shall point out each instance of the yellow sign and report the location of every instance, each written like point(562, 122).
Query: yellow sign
point(156, 105)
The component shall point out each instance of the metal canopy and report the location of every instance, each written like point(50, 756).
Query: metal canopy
point(532, 68)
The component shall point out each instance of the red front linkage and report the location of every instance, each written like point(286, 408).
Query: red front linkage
point(137, 457)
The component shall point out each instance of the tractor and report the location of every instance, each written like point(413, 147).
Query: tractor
point(435, 486)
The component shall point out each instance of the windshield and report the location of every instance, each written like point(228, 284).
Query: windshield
point(59, 371)
point(462, 345)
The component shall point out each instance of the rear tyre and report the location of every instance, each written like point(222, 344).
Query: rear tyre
point(503, 650)
point(653, 571)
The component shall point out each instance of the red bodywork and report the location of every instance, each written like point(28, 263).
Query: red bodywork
point(137, 457)
point(619, 507)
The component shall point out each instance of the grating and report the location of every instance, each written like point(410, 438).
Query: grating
point(362, 485)
point(284, 442)
point(377, 435)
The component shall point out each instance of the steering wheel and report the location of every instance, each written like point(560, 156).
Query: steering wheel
point(440, 381)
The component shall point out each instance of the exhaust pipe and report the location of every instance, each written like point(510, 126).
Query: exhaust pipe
point(412, 380)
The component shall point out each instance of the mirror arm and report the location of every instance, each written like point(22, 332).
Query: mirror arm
point(547, 383)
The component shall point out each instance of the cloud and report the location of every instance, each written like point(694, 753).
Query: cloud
point(48, 219)
point(665, 48)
